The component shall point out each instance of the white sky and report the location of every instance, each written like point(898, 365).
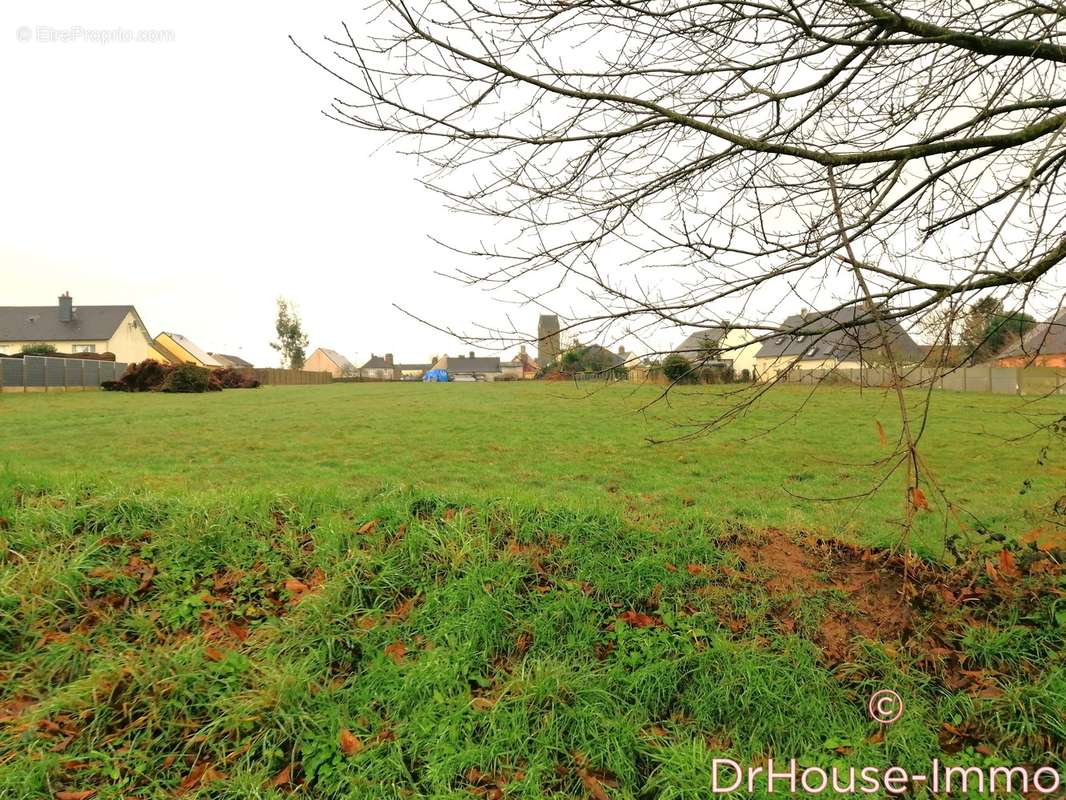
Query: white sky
point(197, 180)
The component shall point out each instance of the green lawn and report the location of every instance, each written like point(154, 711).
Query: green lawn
point(553, 444)
point(502, 591)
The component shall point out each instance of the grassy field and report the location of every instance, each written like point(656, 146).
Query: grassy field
point(554, 445)
point(455, 591)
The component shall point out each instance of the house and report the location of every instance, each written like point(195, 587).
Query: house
point(233, 362)
point(721, 345)
point(326, 360)
point(411, 372)
point(76, 329)
point(812, 340)
point(521, 367)
point(1044, 345)
point(177, 349)
point(381, 368)
point(548, 340)
point(470, 367)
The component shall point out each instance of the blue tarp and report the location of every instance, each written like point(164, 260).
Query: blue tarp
point(436, 376)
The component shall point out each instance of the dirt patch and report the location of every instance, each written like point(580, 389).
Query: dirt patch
point(878, 595)
point(869, 601)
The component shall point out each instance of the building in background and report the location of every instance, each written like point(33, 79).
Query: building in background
point(470, 367)
point(326, 360)
point(818, 345)
point(1044, 345)
point(177, 349)
point(521, 367)
point(549, 346)
point(379, 368)
point(233, 362)
point(731, 348)
point(76, 329)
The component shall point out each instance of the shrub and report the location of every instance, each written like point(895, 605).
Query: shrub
point(38, 349)
point(189, 378)
point(229, 378)
point(677, 368)
point(143, 376)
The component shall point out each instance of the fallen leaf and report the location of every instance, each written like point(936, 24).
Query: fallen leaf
point(482, 703)
point(350, 743)
point(199, 775)
point(592, 784)
point(637, 620)
point(213, 654)
point(881, 433)
point(283, 778)
point(918, 499)
point(396, 651)
point(294, 586)
point(82, 795)
point(367, 527)
point(1006, 564)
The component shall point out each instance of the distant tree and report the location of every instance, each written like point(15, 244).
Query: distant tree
point(987, 328)
point(677, 368)
point(292, 341)
point(38, 349)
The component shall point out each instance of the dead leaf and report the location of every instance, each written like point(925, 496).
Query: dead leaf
point(213, 654)
point(637, 620)
point(82, 795)
point(283, 778)
point(592, 784)
point(881, 433)
point(199, 775)
point(295, 587)
point(350, 743)
point(1006, 564)
point(918, 499)
point(367, 527)
point(396, 651)
point(482, 703)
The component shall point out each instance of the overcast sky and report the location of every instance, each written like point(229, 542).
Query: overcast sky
point(197, 179)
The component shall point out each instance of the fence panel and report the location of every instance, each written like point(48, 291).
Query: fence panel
point(269, 376)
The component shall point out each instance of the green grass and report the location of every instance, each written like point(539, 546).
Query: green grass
point(551, 444)
point(221, 585)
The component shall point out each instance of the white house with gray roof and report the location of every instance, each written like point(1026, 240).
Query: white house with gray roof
point(76, 329)
point(840, 339)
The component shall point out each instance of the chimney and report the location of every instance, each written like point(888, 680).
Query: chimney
point(66, 307)
point(621, 350)
point(388, 359)
point(471, 353)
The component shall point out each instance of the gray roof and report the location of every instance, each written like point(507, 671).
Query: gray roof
point(475, 364)
point(616, 359)
point(694, 342)
point(234, 361)
point(377, 362)
point(1045, 337)
point(814, 331)
point(422, 367)
point(336, 358)
point(42, 323)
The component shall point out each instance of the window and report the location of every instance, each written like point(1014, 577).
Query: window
point(83, 348)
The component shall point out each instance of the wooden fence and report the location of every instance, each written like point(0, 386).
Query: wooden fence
point(289, 377)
